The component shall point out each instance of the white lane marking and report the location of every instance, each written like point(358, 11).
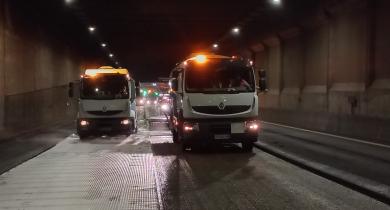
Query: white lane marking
point(330, 135)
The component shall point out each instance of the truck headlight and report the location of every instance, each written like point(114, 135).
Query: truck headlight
point(252, 126)
point(125, 122)
point(84, 123)
point(165, 107)
point(190, 127)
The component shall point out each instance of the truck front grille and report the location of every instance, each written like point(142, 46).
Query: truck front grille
point(216, 110)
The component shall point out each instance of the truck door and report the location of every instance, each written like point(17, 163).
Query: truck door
point(74, 96)
point(133, 96)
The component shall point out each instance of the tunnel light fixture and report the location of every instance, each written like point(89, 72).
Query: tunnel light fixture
point(111, 55)
point(236, 30)
point(215, 46)
point(69, 1)
point(276, 2)
point(91, 29)
point(104, 45)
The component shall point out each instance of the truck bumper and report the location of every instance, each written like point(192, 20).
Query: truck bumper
point(219, 131)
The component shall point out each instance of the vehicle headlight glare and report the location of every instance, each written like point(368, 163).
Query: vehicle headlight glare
point(165, 107)
point(84, 123)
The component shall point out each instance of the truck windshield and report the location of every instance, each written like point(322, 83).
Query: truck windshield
point(219, 77)
point(105, 87)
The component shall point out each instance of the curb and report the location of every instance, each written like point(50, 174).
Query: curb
point(365, 186)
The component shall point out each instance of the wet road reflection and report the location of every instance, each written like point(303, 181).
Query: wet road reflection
point(225, 178)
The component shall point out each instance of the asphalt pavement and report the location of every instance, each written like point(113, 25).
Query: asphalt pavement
point(361, 164)
point(148, 171)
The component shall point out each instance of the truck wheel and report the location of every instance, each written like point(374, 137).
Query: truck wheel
point(175, 137)
point(134, 127)
point(184, 147)
point(247, 146)
point(82, 136)
point(136, 130)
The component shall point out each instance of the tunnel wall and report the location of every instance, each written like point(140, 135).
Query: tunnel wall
point(331, 74)
point(35, 69)
point(2, 65)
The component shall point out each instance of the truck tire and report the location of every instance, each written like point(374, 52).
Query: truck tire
point(175, 137)
point(136, 130)
point(247, 146)
point(82, 136)
point(184, 146)
point(128, 133)
point(134, 127)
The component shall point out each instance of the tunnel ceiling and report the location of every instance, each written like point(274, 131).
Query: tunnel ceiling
point(150, 36)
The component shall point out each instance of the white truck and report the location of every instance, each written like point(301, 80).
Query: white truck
point(106, 102)
point(214, 101)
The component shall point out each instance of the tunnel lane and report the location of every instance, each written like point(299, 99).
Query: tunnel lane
point(147, 171)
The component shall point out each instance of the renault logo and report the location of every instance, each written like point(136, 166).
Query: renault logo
point(104, 109)
point(221, 106)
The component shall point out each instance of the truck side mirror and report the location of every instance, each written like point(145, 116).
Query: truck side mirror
point(70, 90)
point(174, 84)
point(263, 80)
point(137, 89)
point(133, 91)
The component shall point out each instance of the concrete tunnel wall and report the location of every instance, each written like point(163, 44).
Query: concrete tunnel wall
point(331, 74)
point(35, 69)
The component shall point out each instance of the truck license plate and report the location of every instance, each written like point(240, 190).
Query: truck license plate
point(106, 129)
point(221, 136)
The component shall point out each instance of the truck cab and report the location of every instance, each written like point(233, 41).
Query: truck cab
point(214, 101)
point(106, 102)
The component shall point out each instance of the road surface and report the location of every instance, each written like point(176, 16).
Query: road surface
point(148, 171)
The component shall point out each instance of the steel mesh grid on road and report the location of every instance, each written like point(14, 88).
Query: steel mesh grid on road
point(81, 175)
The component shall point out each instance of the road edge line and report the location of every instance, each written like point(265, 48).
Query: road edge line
point(360, 184)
